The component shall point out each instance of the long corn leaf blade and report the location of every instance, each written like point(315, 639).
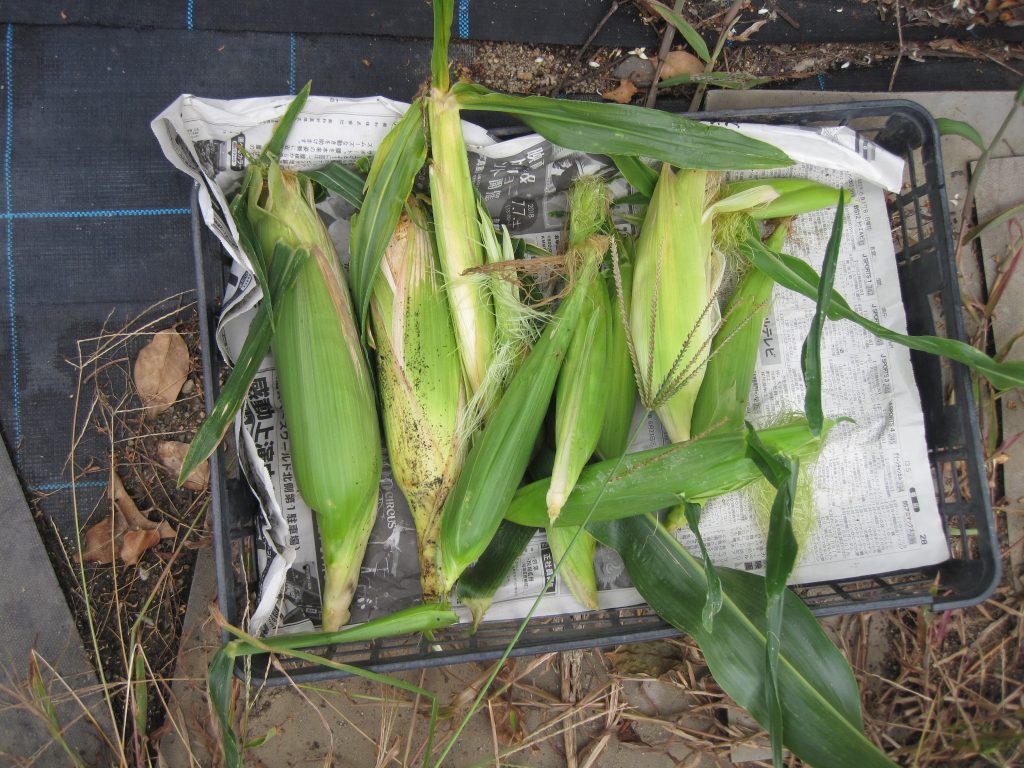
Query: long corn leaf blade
point(247, 365)
point(713, 600)
point(816, 684)
point(338, 178)
point(949, 127)
point(780, 558)
point(622, 129)
point(810, 356)
point(444, 13)
point(797, 275)
point(398, 159)
point(647, 481)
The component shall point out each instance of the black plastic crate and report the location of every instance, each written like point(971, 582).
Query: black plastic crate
point(931, 296)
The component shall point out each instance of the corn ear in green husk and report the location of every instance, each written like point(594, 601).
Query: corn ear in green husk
point(326, 387)
point(620, 379)
point(480, 582)
point(500, 454)
point(580, 395)
point(454, 205)
point(722, 401)
point(677, 272)
point(577, 567)
point(420, 381)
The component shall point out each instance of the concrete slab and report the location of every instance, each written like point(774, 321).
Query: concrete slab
point(35, 617)
point(1000, 190)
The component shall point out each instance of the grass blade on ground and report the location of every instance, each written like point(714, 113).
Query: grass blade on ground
point(691, 35)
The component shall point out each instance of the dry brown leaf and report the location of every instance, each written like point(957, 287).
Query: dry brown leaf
point(126, 505)
point(135, 543)
point(679, 63)
point(160, 370)
point(171, 455)
point(101, 539)
point(623, 94)
point(745, 35)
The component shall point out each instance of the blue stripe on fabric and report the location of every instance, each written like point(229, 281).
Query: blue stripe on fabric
point(112, 212)
point(188, 15)
point(464, 19)
point(9, 245)
point(67, 486)
point(291, 63)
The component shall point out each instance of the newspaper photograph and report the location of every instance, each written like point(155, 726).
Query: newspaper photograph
point(874, 505)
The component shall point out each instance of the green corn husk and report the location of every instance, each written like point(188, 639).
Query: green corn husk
point(580, 395)
point(722, 400)
point(420, 382)
point(326, 387)
point(500, 454)
point(620, 381)
point(479, 583)
point(676, 276)
point(454, 206)
point(647, 481)
point(795, 196)
point(578, 566)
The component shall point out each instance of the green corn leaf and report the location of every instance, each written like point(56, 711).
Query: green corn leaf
point(444, 13)
point(480, 581)
point(733, 81)
point(948, 127)
point(622, 129)
point(691, 35)
point(810, 356)
point(797, 275)
point(639, 174)
point(286, 266)
point(274, 147)
point(247, 240)
point(822, 719)
point(647, 481)
point(713, 600)
point(418, 619)
point(398, 159)
point(781, 553)
point(338, 178)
